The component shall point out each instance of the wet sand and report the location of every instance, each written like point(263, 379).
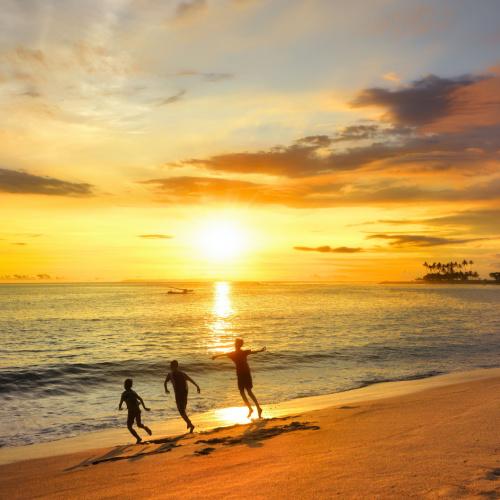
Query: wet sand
point(430, 438)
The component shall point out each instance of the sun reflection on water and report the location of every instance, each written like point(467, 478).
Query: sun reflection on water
point(222, 300)
point(221, 325)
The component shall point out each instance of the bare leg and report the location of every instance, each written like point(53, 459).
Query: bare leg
point(190, 425)
point(132, 431)
point(130, 423)
point(252, 395)
point(141, 425)
point(183, 414)
point(245, 399)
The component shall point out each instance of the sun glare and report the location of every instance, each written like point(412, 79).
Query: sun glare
point(232, 415)
point(222, 240)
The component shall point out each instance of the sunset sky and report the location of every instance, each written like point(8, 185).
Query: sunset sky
point(248, 139)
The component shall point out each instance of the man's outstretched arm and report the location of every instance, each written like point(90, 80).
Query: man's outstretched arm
point(165, 384)
point(259, 350)
point(221, 355)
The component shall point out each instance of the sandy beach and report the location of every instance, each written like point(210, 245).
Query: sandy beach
point(431, 438)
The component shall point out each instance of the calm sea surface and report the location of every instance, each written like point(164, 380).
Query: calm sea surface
point(66, 349)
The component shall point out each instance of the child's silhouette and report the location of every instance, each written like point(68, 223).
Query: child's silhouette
point(133, 402)
point(179, 381)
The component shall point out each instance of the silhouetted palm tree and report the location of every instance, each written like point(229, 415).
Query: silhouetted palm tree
point(452, 270)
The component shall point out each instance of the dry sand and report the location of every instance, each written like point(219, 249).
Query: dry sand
point(442, 441)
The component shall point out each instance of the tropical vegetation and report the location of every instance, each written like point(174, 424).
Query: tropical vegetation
point(450, 271)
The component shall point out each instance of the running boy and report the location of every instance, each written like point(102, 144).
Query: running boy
point(133, 402)
point(239, 357)
point(179, 381)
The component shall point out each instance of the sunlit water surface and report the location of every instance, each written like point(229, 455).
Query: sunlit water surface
point(66, 349)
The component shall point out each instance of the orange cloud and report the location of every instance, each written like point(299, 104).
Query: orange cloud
point(472, 106)
point(315, 193)
point(156, 236)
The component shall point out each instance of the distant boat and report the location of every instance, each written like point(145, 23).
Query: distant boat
point(179, 291)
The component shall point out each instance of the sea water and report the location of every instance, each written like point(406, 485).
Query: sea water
point(66, 348)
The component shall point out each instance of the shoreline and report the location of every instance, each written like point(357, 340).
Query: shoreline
point(428, 438)
point(230, 416)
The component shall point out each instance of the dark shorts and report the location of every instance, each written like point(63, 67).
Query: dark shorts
point(181, 400)
point(244, 381)
point(134, 415)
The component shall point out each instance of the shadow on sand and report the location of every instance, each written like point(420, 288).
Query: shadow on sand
point(254, 434)
point(129, 452)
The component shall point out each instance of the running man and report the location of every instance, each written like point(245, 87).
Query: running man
point(133, 402)
point(179, 381)
point(239, 357)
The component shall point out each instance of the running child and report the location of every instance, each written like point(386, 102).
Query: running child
point(133, 402)
point(179, 382)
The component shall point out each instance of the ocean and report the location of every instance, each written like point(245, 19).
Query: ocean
point(66, 348)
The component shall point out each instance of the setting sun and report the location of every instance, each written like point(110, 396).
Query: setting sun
point(222, 240)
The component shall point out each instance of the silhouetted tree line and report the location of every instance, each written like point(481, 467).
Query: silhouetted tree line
point(495, 276)
point(456, 271)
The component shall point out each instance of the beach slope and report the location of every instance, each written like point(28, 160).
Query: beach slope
point(441, 442)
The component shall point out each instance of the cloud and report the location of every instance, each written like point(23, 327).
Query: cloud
point(27, 65)
point(397, 222)
point(172, 99)
point(365, 163)
point(296, 160)
point(478, 221)
point(25, 277)
point(217, 77)
point(420, 103)
point(397, 193)
point(474, 106)
point(19, 244)
point(155, 236)
point(28, 54)
point(388, 147)
point(13, 181)
point(374, 130)
point(191, 189)
point(313, 193)
point(207, 76)
point(438, 104)
point(418, 240)
point(307, 156)
point(329, 249)
point(391, 76)
point(358, 132)
point(483, 221)
point(189, 8)
point(33, 93)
